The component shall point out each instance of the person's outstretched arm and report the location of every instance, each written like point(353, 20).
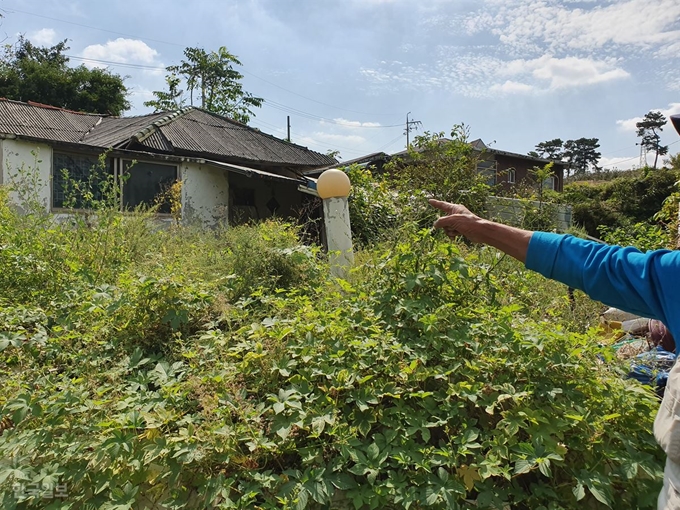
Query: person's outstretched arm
point(460, 221)
point(647, 284)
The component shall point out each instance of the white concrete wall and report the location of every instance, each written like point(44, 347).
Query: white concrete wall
point(27, 167)
point(205, 189)
point(205, 194)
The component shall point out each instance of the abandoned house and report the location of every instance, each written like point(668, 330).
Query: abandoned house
point(228, 171)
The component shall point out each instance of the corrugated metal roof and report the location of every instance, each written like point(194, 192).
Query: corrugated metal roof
point(157, 141)
point(186, 132)
point(115, 131)
point(199, 131)
point(44, 122)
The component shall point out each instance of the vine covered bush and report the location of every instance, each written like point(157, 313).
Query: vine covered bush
point(395, 199)
point(178, 369)
point(621, 202)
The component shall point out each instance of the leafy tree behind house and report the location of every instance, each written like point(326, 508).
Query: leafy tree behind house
point(42, 74)
point(433, 166)
point(649, 129)
point(211, 81)
point(581, 155)
point(551, 149)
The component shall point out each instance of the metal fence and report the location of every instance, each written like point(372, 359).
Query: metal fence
point(513, 210)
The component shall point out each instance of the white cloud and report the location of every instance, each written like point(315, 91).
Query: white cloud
point(355, 123)
point(320, 136)
point(123, 51)
point(479, 76)
point(566, 72)
point(512, 87)
point(524, 24)
point(43, 37)
point(670, 51)
point(629, 124)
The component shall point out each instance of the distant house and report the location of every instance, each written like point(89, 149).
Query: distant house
point(503, 168)
point(510, 168)
point(228, 170)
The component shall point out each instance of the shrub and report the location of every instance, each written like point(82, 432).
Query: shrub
point(428, 379)
point(434, 167)
point(620, 202)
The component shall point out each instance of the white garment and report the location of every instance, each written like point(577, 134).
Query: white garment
point(667, 433)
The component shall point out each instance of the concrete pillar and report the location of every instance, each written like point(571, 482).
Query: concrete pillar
point(338, 235)
point(333, 187)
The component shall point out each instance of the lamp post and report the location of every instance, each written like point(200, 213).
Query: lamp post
point(333, 187)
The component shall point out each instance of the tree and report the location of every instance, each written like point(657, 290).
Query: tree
point(582, 154)
point(173, 99)
point(446, 168)
point(649, 129)
point(552, 149)
point(42, 74)
point(213, 80)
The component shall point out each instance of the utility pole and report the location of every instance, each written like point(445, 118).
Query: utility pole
point(643, 155)
point(410, 126)
point(288, 128)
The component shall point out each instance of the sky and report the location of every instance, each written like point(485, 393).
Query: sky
point(348, 72)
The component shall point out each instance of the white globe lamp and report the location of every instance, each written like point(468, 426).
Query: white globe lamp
point(333, 184)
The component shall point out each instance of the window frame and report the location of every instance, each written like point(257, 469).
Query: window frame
point(117, 168)
point(122, 170)
point(490, 171)
point(54, 172)
point(552, 185)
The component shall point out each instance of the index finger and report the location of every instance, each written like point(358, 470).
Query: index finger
point(443, 206)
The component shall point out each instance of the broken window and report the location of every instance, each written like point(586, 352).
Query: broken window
point(145, 184)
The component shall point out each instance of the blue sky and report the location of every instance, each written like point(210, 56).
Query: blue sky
point(517, 72)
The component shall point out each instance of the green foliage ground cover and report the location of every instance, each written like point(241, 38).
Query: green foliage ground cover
point(626, 202)
point(151, 368)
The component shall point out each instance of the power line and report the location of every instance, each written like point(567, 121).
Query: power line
point(629, 147)
point(622, 161)
point(311, 116)
point(325, 145)
point(267, 102)
point(9, 9)
point(636, 157)
point(116, 64)
point(618, 150)
point(314, 100)
point(311, 140)
point(382, 148)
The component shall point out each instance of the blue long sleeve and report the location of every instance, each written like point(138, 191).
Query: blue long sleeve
point(647, 284)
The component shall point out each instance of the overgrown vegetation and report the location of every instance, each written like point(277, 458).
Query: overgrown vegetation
point(432, 167)
point(622, 202)
point(172, 368)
